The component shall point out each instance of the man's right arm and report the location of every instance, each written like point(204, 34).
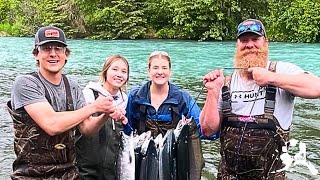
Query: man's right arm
point(210, 116)
point(54, 123)
point(29, 93)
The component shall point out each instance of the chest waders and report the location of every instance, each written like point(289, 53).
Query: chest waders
point(251, 150)
point(40, 156)
point(156, 127)
point(97, 155)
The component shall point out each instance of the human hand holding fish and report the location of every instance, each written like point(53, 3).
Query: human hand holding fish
point(117, 115)
point(104, 104)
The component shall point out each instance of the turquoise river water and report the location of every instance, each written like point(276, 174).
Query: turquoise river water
point(190, 61)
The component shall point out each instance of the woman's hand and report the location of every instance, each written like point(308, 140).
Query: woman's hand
point(119, 115)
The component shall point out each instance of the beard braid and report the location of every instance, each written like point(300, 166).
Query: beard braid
point(248, 58)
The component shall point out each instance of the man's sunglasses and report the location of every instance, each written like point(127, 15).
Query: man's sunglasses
point(250, 27)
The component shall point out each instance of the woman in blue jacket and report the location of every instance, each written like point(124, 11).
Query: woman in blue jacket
point(158, 105)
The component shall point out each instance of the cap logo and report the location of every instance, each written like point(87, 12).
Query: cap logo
point(51, 33)
point(248, 23)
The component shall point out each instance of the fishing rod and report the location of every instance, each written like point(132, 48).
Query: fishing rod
point(233, 68)
point(196, 99)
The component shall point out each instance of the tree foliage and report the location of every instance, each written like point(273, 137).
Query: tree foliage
point(286, 20)
point(121, 19)
point(294, 21)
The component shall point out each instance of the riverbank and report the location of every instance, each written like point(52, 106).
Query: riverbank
point(4, 34)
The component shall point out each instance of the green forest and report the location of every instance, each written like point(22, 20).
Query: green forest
point(202, 20)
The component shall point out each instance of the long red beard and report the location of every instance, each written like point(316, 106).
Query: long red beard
point(248, 58)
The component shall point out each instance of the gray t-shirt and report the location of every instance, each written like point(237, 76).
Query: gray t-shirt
point(27, 89)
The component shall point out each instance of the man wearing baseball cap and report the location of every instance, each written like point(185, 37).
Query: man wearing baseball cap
point(46, 107)
point(253, 108)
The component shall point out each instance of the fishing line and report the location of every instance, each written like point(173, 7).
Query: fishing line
point(232, 68)
point(196, 99)
point(243, 129)
point(201, 91)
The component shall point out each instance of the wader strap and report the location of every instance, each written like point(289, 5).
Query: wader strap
point(102, 131)
point(36, 75)
point(175, 115)
point(95, 93)
point(69, 100)
point(226, 97)
point(270, 95)
point(270, 102)
point(143, 118)
point(273, 66)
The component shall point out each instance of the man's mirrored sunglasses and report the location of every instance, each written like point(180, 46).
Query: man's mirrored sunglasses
point(57, 49)
point(252, 27)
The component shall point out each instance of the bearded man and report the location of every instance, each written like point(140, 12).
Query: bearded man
point(253, 108)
